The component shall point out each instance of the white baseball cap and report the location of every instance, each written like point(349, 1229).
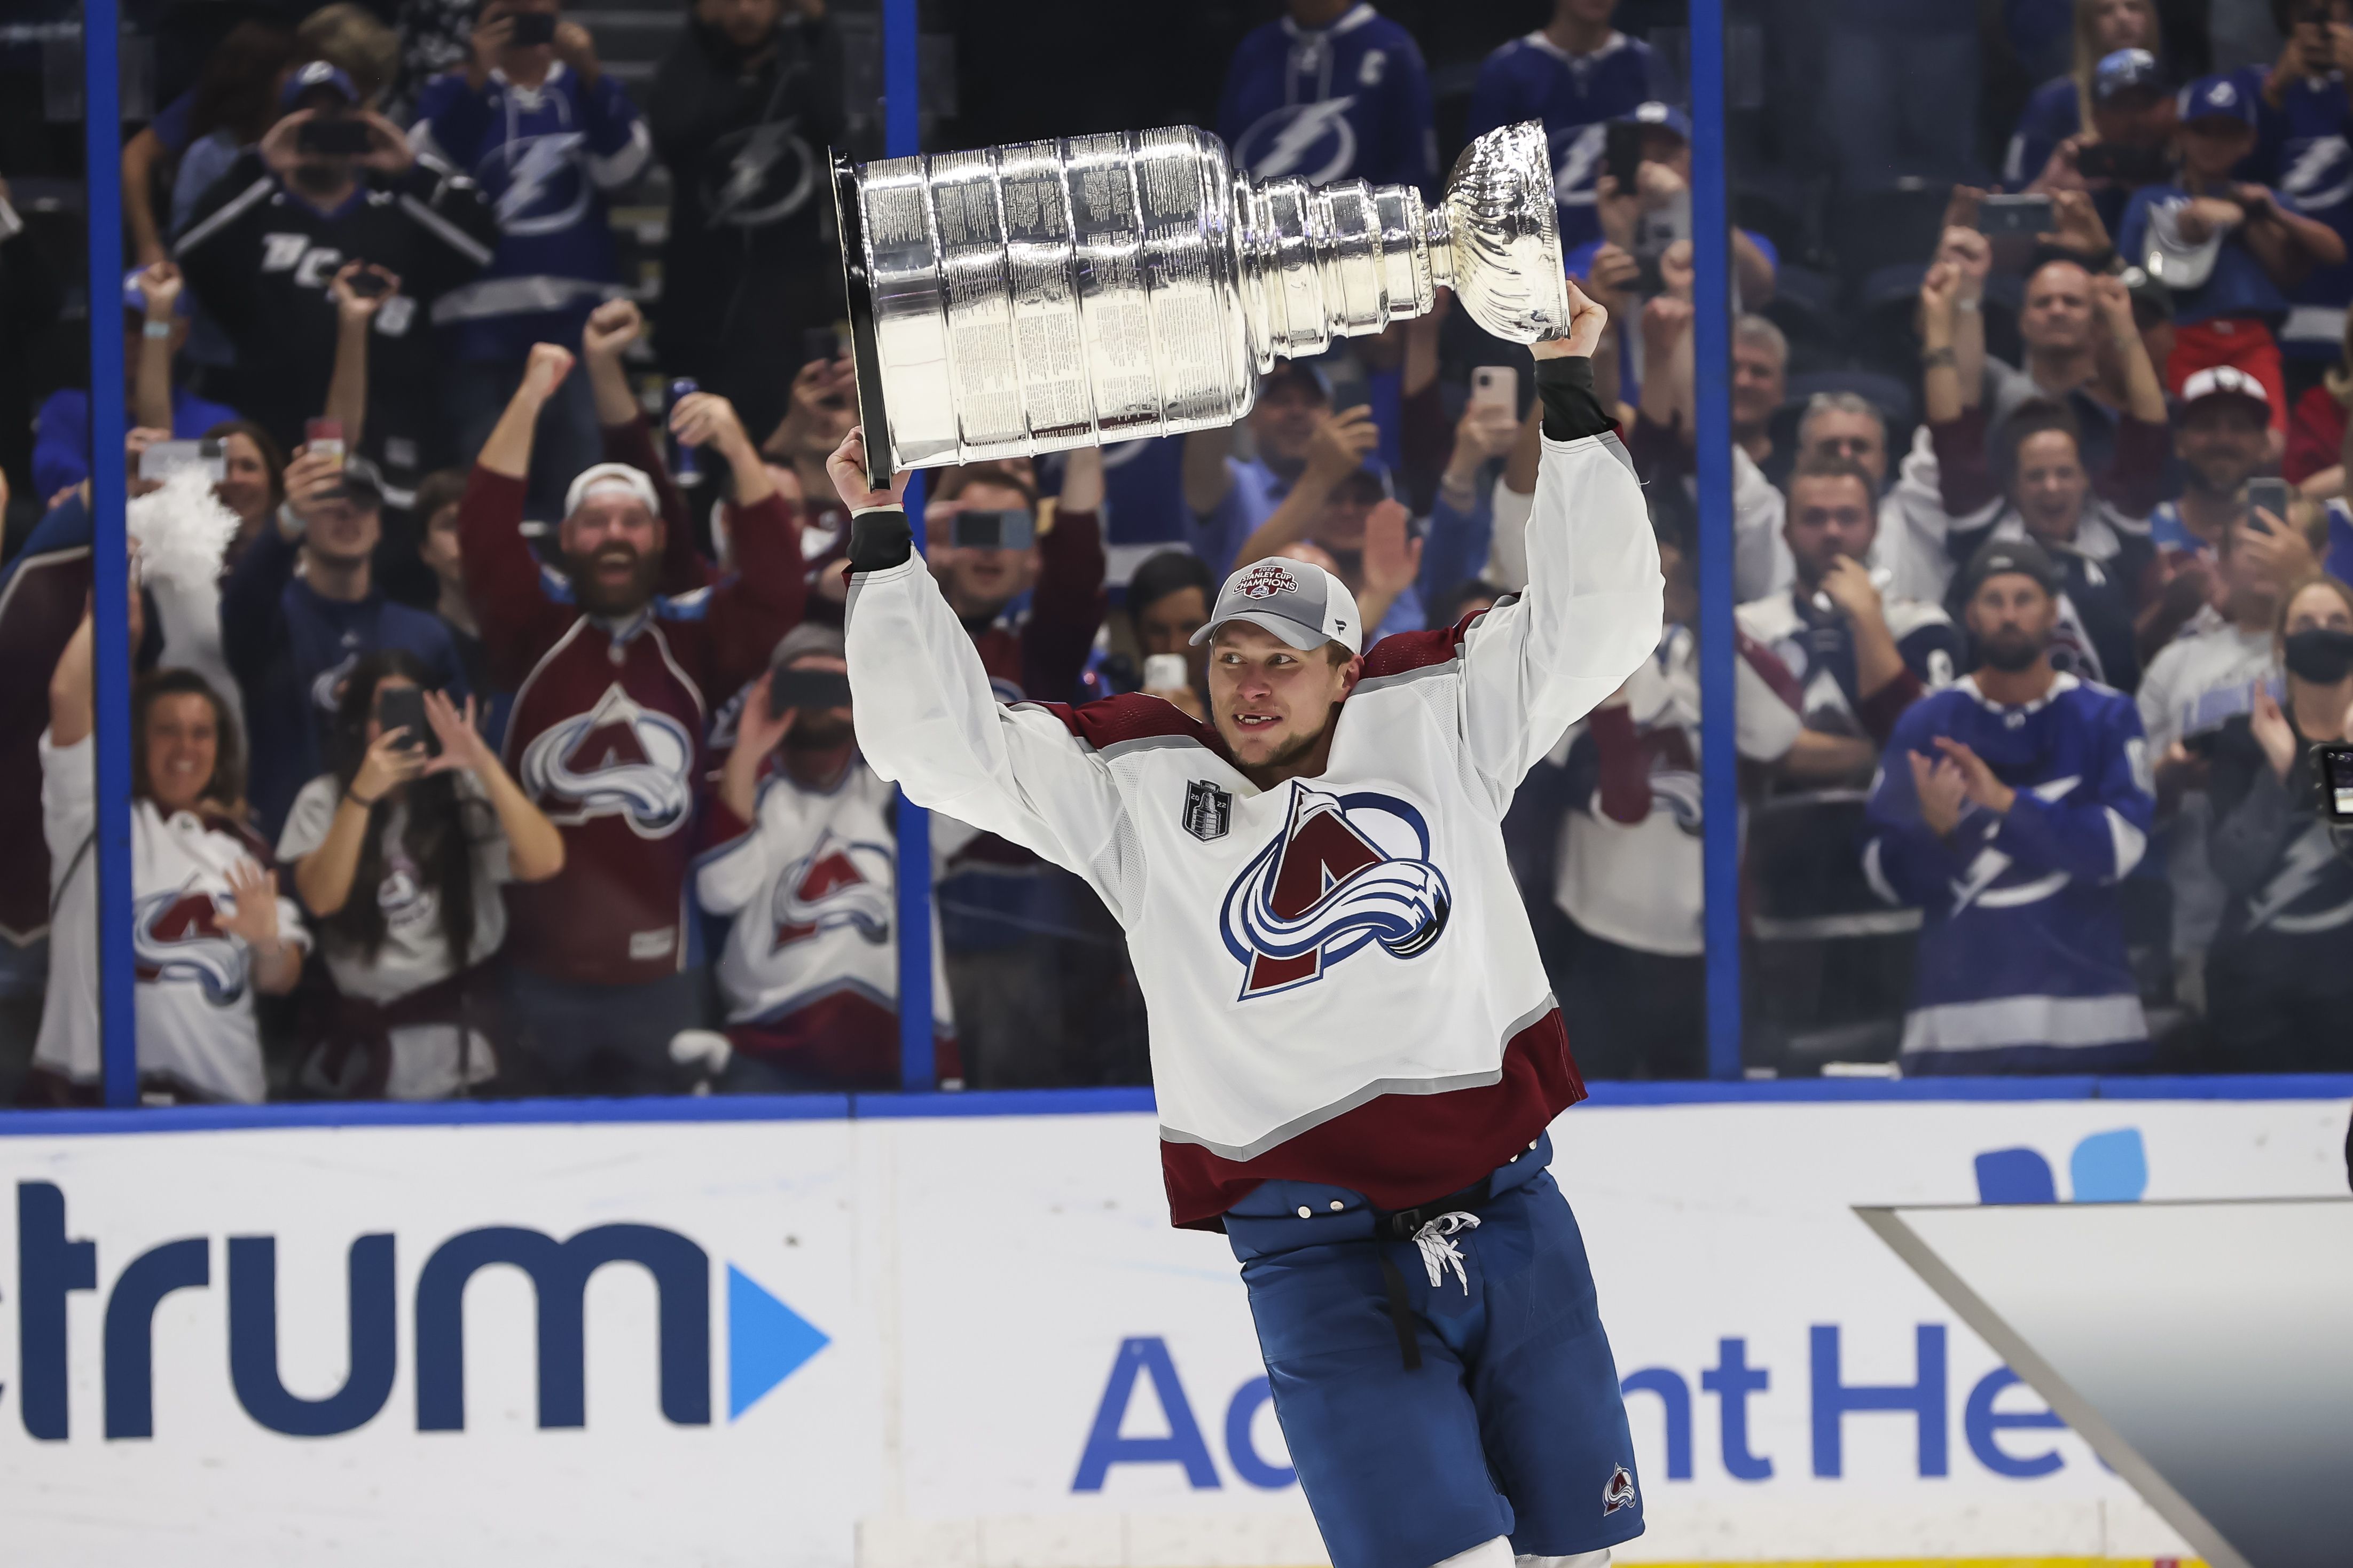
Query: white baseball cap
point(611, 478)
point(1299, 602)
point(2223, 381)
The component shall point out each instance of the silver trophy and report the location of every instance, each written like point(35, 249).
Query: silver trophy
point(1029, 299)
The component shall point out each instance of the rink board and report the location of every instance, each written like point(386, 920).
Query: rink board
point(972, 1340)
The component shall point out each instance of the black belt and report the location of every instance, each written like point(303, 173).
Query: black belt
point(1402, 1225)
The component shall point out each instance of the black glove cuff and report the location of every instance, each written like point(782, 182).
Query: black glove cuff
point(1572, 412)
point(880, 540)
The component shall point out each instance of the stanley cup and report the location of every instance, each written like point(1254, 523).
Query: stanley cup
point(1056, 294)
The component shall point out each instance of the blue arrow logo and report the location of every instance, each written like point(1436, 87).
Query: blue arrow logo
point(767, 1342)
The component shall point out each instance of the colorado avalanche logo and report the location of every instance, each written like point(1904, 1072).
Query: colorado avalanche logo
point(1313, 141)
point(617, 760)
point(838, 883)
point(1619, 1491)
point(1346, 871)
point(176, 936)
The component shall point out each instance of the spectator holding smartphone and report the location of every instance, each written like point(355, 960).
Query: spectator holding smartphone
point(2303, 153)
point(804, 858)
point(154, 330)
point(334, 182)
point(2225, 248)
point(1577, 73)
point(399, 854)
point(547, 134)
point(1167, 601)
point(2066, 105)
point(209, 927)
point(1331, 90)
point(300, 608)
point(614, 682)
point(983, 544)
point(2280, 977)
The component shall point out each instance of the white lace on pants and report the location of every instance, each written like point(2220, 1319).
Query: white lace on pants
point(1497, 1553)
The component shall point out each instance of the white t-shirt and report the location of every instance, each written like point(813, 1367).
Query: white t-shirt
point(413, 953)
point(194, 981)
point(1639, 884)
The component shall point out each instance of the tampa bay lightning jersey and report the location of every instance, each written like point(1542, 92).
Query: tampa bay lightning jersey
point(2022, 963)
point(1346, 102)
point(545, 156)
point(1576, 96)
point(2305, 156)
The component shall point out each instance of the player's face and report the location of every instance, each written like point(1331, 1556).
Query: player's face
point(1828, 517)
point(1857, 438)
point(2012, 619)
point(183, 747)
point(1271, 701)
point(613, 546)
point(2050, 485)
point(2222, 440)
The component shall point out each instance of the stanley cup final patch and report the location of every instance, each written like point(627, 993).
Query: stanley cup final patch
point(1208, 810)
point(1619, 1493)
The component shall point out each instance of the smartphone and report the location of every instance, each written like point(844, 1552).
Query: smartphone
point(1622, 154)
point(164, 458)
point(531, 28)
point(1649, 280)
point(2270, 495)
point(806, 689)
point(2124, 165)
point(822, 344)
point(403, 707)
point(2333, 764)
point(1496, 386)
point(1007, 530)
point(2015, 214)
point(1166, 672)
point(346, 138)
point(324, 435)
point(368, 285)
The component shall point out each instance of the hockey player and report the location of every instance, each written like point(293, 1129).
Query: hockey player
point(1331, 90)
point(2011, 804)
point(1353, 1048)
point(613, 684)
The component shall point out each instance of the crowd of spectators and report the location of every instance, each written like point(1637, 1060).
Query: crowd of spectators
point(492, 731)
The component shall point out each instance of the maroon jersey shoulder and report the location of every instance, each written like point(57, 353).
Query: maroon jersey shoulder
point(1134, 716)
point(1401, 651)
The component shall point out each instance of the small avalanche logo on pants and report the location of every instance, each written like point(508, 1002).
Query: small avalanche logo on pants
point(1346, 871)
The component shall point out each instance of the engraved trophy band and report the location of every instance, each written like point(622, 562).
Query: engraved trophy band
point(1030, 298)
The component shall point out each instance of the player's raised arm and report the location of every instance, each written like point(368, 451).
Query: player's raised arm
point(928, 718)
point(1592, 608)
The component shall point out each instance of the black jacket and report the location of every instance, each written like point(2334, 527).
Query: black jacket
point(260, 260)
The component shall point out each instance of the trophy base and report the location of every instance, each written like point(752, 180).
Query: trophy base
point(866, 359)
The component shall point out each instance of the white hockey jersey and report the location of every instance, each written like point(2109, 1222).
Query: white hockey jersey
point(1341, 983)
point(810, 969)
point(195, 993)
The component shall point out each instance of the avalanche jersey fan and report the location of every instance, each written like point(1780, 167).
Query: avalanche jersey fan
point(2010, 806)
point(1354, 1047)
point(1345, 98)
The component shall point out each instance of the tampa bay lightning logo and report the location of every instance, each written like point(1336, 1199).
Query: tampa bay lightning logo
point(2319, 173)
point(757, 175)
point(176, 937)
point(536, 182)
point(616, 760)
point(842, 882)
point(1313, 141)
point(1346, 871)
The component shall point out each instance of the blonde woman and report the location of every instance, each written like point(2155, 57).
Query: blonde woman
point(2064, 107)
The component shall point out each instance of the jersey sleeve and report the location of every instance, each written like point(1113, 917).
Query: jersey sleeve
point(2098, 831)
point(69, 802)
point(1591, 611)
point(731, 871)
point(309, 819)
point(926, 717)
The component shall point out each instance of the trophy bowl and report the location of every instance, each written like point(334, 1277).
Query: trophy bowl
point(1030, 298)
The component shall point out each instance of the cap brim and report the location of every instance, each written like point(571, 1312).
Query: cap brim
point(1291, 632)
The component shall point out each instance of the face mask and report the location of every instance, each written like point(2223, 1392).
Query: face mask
point(2320, 655)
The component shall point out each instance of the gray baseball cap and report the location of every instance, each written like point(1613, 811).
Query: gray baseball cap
point(1301, 603)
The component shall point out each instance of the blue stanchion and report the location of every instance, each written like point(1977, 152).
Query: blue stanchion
point(902, 135)
point(1712, 359)
point(110, 566)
